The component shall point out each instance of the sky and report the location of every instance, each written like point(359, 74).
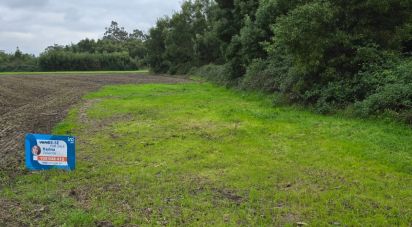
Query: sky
point(33, 25)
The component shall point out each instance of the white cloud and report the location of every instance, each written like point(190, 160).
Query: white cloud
point(35, 24)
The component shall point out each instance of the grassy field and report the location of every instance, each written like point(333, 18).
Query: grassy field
point(196, 154)
point(73, 72)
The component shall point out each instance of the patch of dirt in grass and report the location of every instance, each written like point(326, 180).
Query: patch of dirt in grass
point(78, 194)
point(198, 183)
point(9, 213)
point(201, 184)
point(229, 194)
point(103, 224)
point(84, 119)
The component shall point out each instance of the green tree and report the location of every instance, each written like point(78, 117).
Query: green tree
point(115, 32)
point(156, 44)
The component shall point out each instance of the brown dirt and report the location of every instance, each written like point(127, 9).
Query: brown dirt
point(35, 103)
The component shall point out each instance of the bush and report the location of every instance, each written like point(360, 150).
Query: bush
point(266, 75)
point(215, 73)
point(393, 93)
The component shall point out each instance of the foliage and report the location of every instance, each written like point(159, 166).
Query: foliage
point(392, 93)
point(58, 60)
point(17, 62)
point(116, 33)
point(215, 73)
point(117, 50)
point(180, 42)
point(322, 53)
point(156, 45)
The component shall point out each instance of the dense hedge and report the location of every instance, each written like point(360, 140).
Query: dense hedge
point(57, 60)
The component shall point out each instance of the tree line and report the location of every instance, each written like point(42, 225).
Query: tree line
point(116, 50)
point(327, 54)
point(18, 62)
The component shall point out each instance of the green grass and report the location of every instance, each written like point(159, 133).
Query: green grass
point(73, 72)
point(197, 154)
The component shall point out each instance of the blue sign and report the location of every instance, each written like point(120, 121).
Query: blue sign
point(45, 152)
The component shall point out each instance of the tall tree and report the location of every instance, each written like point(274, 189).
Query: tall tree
point(115, 32)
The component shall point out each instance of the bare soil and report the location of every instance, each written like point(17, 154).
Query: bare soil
point(35, 103)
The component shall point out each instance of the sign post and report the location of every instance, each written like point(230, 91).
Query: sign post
point(45, 152)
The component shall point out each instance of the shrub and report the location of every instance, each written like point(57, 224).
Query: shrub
point(215, 73)
point(393, 93)
point(266, 75)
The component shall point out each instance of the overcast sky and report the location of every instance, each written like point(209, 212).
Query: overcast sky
point(32, 25)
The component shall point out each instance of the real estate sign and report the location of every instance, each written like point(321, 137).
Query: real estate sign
point(45, 152)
